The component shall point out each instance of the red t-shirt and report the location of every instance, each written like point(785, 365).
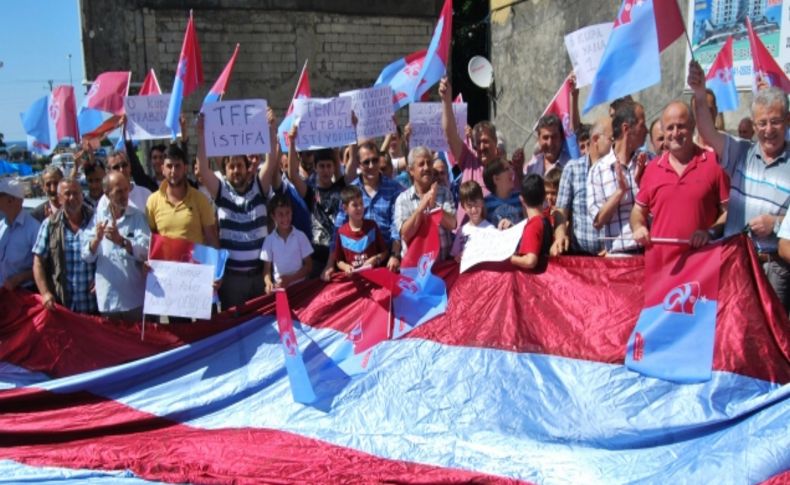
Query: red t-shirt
point(682, 204)
point(356, 247)
point(532, 239)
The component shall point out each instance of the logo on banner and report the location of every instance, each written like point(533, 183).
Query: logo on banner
point(407, 284)
point(289, 342)
point(355, 335)
point(424, 265)
point(724, 75)
point(54, 111)
point(625, 13)
point(683, 298)
point(566, 124)
point(182, 68)
point(92, 92)
point(639, 347)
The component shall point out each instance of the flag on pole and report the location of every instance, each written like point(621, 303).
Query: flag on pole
point(150, 84)
point(401, 76)
point(218, 89)
point(35, 121)
point(302, 91)
point(107, 92)
point(560, 105)
point(52, 118)
point(631, 59)
point(765, 66)
point(182, 250)
point(438, 55)
point(721, 80)
point(189, 74)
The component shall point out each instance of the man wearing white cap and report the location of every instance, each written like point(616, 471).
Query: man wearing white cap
point(18, 231)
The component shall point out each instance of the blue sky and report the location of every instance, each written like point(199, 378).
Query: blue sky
point(38, 36)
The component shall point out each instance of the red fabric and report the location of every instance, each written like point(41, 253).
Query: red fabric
point(686, 203)
point(765, 66)
point(560, 105)
point(355, 259)
point(532, 237)
point(150, 84)
point(669, 22)
point(108, 90)
point(224, 78)
point(63, 113)
point(191, 56)
point(579, 307)
point(302, 89)
point(425, 242)
point(110, 124)
point(723, 60)
point(102, 434)
point(170, 249)
point(671, 266)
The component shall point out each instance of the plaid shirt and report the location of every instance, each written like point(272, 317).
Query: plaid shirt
point(79, 273)
point(380, 208)
point(756, 187)
point(602, 184)
point(572, 197)
point(408, 202)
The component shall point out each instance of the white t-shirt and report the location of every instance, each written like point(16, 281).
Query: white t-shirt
point(286, 255)
point(463, 235)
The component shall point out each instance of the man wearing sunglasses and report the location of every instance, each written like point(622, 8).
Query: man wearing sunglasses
point(118, 162)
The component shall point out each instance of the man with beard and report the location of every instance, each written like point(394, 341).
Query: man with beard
point(550, 139)
point(242, 216)
point(61, 275)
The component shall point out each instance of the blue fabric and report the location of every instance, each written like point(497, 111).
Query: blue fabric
point(176, 98)
point(631, 60)
point(208, 255)
point(16, 243)
point(358, 245)
point(498, 209)
point(35, 122)
point(14, 472)
point(434, 66)
point(8, 168)
point(89, 119)
point(533, 417)
point(723, 86)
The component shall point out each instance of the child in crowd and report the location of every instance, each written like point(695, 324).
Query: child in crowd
point(552, 185)
point(286, 251)
point(533, 250)
point(503, 208)
point(471, 195)
point(358, 242)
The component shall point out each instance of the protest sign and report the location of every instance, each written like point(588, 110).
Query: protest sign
point(585, 48)
point(323, 123)
point(145, 116)
point(426, 125)
point(179, 289)
point(374, 111)
point(490, 244)
point(237, 127)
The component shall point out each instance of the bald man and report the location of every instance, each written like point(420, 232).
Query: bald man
point(685, 190)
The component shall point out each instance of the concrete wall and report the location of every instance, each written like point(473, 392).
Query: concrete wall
point(530, 62)
point(347, 43)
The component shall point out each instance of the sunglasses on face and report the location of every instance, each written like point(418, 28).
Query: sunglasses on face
point(119, 166)
point(369, 162)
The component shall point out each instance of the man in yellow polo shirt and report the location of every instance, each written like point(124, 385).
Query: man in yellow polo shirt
point(177, 210)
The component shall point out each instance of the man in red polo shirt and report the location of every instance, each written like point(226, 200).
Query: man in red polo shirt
point(685, 190)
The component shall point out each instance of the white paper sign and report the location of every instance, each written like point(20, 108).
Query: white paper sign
point(179, 289)
point(145, 116)
point(374, 110)
point(323, 123)
point(585, 48)
point(237, 127)
point(491, 244)
point(426, 125)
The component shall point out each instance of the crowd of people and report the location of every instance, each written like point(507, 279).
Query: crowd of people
point(286, 217)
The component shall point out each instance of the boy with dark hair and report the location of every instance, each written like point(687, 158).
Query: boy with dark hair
point(503, 208)
point(359, 241)
point(533, 250)
point(551, 184)
point(286, 251)
point(472, 201)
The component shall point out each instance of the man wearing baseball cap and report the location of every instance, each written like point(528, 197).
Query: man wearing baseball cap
point(18, 231)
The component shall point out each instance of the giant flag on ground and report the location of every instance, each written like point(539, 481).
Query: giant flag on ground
point(189, 75)
point(52, 118)
point(221, 84)
point(765, 67)
point(302, 91)
point(517, 381)
point(560, 105)
point(631, 61)
point(721, 79)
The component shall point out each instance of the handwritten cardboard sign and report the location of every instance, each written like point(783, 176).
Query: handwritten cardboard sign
point(179, 289)
point(491, 244)
point(237, 127)
point(426, 125)
point(323, 123)
point(145, 116)
point(585, 48)
point(374, 111)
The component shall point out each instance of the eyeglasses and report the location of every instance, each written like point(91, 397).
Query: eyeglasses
point(369, 162)
point(119, 166)
point(762, 124)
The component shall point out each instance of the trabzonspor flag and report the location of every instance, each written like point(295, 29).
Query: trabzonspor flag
point(52, 118)
point(301, 387)
point(107, 92)
point(302, 91)
point(150, 84)
point(765, 66)
point(438, 55)
point(182, 250)
point(560, 105)
point(673, 338)
point(218, 89)
point(631, 62)
point(402, 77)
point(721, 79)
point(189, 75)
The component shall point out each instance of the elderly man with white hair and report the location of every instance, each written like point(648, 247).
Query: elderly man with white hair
point(413, 205)
point(760, 173)
point(18, 231)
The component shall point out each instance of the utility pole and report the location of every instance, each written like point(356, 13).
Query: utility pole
point(50, 82)
point(71, 80)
